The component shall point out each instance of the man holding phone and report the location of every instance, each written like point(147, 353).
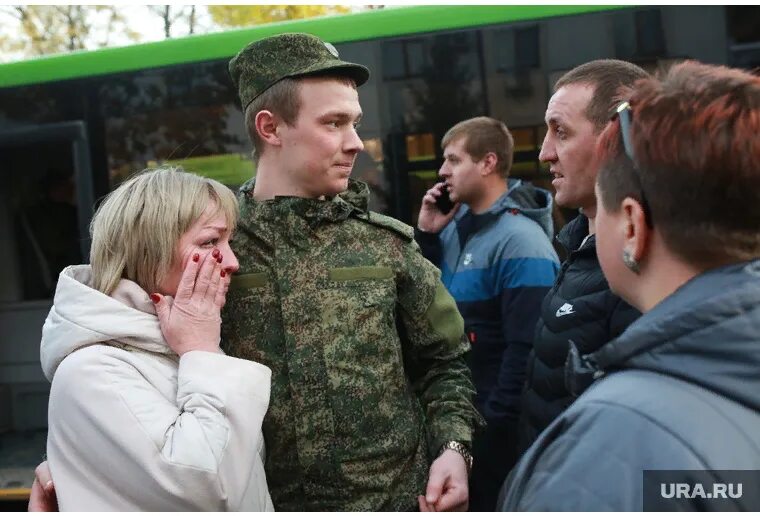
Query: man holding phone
point(495, 254)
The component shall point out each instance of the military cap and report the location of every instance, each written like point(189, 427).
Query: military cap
point(262, 63)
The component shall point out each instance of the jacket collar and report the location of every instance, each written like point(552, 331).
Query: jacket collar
point(705, 333)
point(574, 233)
point(315, 211)
point(534, 203)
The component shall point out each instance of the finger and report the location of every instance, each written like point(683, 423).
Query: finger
point(434, 486)
point(42, 499)
point(424, 506)
point(163, 306)
point(51, 499)
point(434, 191)
point(187, 282)
point(224, 285)
point(42, 473)
point(451, 499)
point(203, 281)
point(36, 498)
point(215, 282)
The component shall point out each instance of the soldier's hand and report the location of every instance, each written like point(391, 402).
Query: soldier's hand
point(42, 497)
point(447, 488)
point(430, 219)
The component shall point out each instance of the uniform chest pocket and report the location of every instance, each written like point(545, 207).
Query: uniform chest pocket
point(362, 357)
point(363, 286)
point(358, 303)
point(249, 316)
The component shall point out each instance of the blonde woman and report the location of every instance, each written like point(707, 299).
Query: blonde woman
point(146, 412)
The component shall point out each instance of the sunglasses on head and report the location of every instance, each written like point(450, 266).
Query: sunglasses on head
point(625, 114)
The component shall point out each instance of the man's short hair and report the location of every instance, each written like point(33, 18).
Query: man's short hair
point(283, 99)
point(482, 135)
point(695, 142)
point(610, 78)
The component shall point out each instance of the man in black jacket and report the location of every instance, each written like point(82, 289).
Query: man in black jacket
point(580, 306)
point(673, 422)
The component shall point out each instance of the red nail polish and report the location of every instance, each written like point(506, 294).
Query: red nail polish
point(196, 257)
point(215, 253)
point(155, 298)
point(219, 258)
point(223, 273)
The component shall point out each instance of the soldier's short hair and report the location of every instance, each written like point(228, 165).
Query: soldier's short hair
point(610, 78)
point(482, 135)
point(136, 229)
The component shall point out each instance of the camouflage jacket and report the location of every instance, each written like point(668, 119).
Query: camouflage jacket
point(365, 345)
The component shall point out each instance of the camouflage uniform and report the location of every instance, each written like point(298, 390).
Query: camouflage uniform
point(365, 345)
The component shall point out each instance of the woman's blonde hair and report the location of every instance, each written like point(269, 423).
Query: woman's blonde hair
point(136, 229)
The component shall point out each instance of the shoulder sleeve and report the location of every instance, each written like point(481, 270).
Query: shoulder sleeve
point(402, 230)
point(432, 332)
point(195, 451)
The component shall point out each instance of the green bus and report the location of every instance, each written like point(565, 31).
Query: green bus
point(73, 126)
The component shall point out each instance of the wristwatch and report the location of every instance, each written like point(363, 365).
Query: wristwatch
point(461, 449)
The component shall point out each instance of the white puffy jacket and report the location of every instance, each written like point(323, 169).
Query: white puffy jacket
point(133, 427)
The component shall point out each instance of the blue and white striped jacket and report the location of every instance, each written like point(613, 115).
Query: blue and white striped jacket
point(498, 266)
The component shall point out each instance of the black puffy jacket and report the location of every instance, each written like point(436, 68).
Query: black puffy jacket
point(579, 307)
point(680, 391)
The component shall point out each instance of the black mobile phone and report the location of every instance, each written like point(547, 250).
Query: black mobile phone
point(443, 202)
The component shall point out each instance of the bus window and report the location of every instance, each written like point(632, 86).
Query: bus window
point(40, 220)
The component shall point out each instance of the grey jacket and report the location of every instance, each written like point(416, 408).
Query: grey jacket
point(680, 391)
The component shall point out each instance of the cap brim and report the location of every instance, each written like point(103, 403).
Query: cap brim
point(357, 72)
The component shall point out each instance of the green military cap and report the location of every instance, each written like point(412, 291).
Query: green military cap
point(262, 63)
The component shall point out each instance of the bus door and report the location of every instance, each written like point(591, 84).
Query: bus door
point(46, 199)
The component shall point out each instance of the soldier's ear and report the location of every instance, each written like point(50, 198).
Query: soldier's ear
point(266, 127)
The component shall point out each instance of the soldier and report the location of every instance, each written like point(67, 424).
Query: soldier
point(369, 383)
point(371, 397)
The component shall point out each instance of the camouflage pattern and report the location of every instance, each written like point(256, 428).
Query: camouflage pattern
point(365, 345)
point(264, 62)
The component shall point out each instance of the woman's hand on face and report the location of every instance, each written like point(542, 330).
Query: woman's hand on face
point(191, 320)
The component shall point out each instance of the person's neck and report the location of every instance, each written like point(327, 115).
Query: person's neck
point(662, 275)
point(271, 182)
point(490, 195)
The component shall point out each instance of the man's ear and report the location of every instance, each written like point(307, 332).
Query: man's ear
point(637, 232)
point(489, 164)
point(267, 124)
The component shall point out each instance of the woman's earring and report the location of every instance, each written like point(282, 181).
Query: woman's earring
point(630, 262)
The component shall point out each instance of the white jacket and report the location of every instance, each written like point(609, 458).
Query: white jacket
point(133, 427)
